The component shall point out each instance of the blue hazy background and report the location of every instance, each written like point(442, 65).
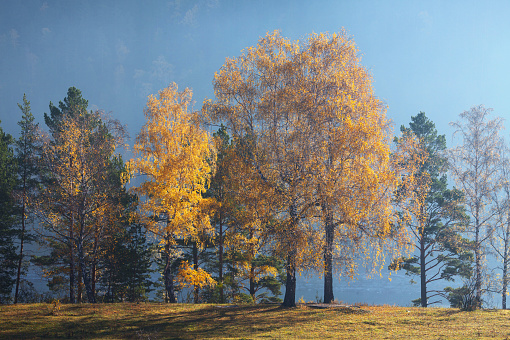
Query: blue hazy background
point(441, 57)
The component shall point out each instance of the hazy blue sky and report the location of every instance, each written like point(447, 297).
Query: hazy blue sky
point(441, 57)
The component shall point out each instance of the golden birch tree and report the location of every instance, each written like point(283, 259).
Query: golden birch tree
point(350, 151)
point(319, 139)
point(251, 95)
point(175, 155)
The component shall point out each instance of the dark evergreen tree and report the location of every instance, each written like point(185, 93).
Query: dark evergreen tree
point(121, 253)
point(265, 279)
point(126, 267)
point(55, 267)
point(26, 149)
point(81, 175)
point(221, 219)
point(242, 273)
point(442, 252)
point(73, 104)
point(8, 211)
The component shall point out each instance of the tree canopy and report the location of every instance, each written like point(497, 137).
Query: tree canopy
point(176, 157)
point(318, 140)
point(436, 214)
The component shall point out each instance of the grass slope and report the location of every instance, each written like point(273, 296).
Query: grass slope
point(185, 321)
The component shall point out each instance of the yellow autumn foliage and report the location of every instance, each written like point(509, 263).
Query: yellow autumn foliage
point(176, 157)
point(190, 277)
point(246, 271)
point(319, 145)
point(79, 202)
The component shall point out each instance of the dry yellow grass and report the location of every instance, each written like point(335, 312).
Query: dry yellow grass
point(184, 321)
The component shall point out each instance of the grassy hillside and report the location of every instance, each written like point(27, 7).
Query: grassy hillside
point(184, 321)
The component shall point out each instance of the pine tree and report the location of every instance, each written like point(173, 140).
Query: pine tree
point(126, 266)
point(224, 201)
point(8, 211)
point(73, 104)
point(437, 216)
point(80, 197)
point(26, 149)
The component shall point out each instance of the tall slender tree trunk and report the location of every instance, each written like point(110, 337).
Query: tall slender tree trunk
point(110, 288)
point(93, 274)
point(169, 283)
point(252, 282)
point(423, 272)
point(423, 259)
point(289, 299)
point(84, 273)
point(71, 253)
point(79, 279)
point(72, 298)
point(168, 275)
point(506, 256)
point(478, 264)
point(328, 253)
point(505, 279)
point(195, 267)
point(252, 267)
point(220, 260)
point(93, 268)
point(22, 240)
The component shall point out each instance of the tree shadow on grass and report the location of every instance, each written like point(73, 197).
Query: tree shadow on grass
point(239, 322)
point(155, 322)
